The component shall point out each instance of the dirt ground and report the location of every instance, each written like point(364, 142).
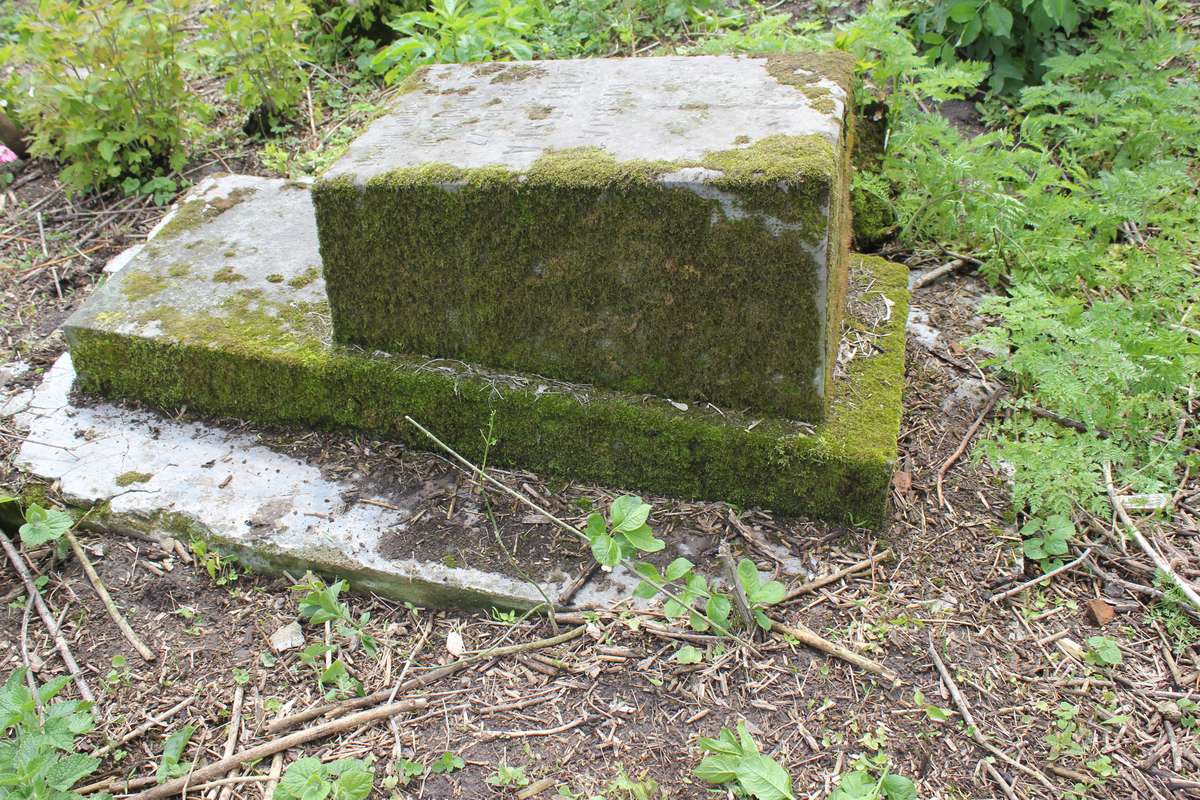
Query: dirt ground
point(614, 699)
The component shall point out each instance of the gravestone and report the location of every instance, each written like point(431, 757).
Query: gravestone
point(664, 304)
point(674, 226)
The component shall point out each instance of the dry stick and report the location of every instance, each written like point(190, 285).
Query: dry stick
point(277, 760)
point(739, 593)
point(100, 752)
point(211, 771)
point(973, 730)
point(937, 273)
point(998, 778)
point(808, 637)
point(94, 578)
point(47, 619)
point(1143, 543)
point(825, 580)
point(536, 788)
point(231, 741)
point(996, 598)
point(962, 447)
point(421, 680)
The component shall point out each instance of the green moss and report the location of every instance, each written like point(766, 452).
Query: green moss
point(141, 285)
point(304, 278)
point(227, 275)
point(132, 477)
point(511, 73)
point(269, 362)
point(805, 71)
point(178, 270)
point(540, 112)
point(274, 277)
point(589, 269)
point(193, 213)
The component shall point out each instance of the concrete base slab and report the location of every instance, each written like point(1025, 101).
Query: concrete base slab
point(223, 312)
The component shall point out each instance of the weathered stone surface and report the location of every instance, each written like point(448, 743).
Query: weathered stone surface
point(676, 226)
point(223, 312)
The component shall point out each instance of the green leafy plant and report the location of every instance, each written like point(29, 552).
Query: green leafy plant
point(736, 760)
point(105, 93)
point(862, 783)
point(222, 570)
point(625, 533)
point(507, 777)
point(1063, 738)
point(172, 764)
point(447, 763)
point(1016, 36)
point(310, 779)
point(320, 604)
point(458, 31)
point(1103, 651)
point(254, 45)
point(1047, 539)
point(44, 525)
point(38, 757)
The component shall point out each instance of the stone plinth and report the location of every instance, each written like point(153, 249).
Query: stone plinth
point(671, 226)
point(223, 311)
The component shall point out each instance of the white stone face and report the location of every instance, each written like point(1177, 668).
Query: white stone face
point(670, 108)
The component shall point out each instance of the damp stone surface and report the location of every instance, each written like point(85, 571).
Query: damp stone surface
point(674, 226)
point(223, 311)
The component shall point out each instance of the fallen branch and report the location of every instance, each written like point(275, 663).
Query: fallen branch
point(825, 580)
point(1163, 565)
point(996, 598)
point(39, 604)
point(335, 709)
point(220, 767)
point(807, 637)
point(937, 273)
point(966, 441)
point(973, 730)
point(102, 591)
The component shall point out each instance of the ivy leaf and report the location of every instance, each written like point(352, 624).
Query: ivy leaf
point(606, 551)
point(628, 513)
point(44, 525)
point(763, 779)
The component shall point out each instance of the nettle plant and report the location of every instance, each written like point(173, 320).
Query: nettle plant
point(626, 534)
point(320, 605)
point(38, 756)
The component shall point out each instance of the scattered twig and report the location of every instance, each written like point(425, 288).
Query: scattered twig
point(39, 603)
point(159, 719)
point(973, 730)
point(1163, 565)
point(334, 709)
point(825, 580)
point(740, 601)
point(231, 739)
point(996, 598)
point(525, 734)
point(568, 594)
point(966, 441)
point(806, 636)
point(1067, 422)
point(326, 729)
point(102, 591)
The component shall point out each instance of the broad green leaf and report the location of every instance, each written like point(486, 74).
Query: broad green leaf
point(173, 749)
point(606, 551)
point(720, 768)
point(688, 655)
point(44, 525)
point(69, 770)
point(644, 540)
point(898, 787)
point(963, 12)
point(628, 513)
point(595, 525)
point(767, 594)
point(999, 20)
point(678, 568)
point(763, 779)
point(725, 743)
point(747, 575)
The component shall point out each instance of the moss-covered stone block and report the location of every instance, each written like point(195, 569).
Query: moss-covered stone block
point(676, 226)
point(260, 349)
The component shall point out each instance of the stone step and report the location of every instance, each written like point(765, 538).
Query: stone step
point(674, 225)
point(223, 311)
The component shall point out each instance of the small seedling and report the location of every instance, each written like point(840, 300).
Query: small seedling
point(309, 779)
point(1103, 651)
point(508, 777)
point(447, 763)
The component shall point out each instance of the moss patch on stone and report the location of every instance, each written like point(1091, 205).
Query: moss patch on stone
point(269, 362)
point(227, 275)
point(132, 477)
point(304, 278)
point(588, 269)
point(140, 285)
